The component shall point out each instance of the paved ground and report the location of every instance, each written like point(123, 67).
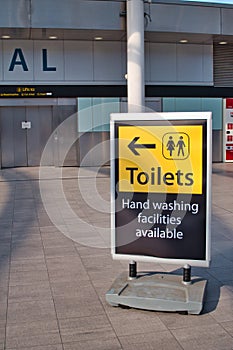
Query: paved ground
point(52, 288)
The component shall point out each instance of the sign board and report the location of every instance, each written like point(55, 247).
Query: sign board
point(24, 91)
point(228, 130)
point(26, 125)
point(160, 179)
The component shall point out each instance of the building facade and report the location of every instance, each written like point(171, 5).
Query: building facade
point(65, 63)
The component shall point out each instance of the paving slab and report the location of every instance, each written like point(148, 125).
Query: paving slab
point(109, 344)
point(88, 328)
point(134, 322)
point(29, 292)
point(204, 337)
point(25, 265)
point(2, 338)
point(31, 311)
point(32, 334)
point(73, 288)
point(228, 326)
point(151, 341)
point(52, 287)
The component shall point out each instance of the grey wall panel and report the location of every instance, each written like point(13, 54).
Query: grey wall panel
point(46, 129)
point(15, 13)
point(33, 136)
point(78, 60)
point(13, 137)
point(83, 14)
point(189, 63)
point(107, 61)
point(180, 63)
point(227, 23)
point(24, 147)
point(64, 133)
point(20, 135)
point(1, 61)
point(38, 135)
point(48, 65)
point(104, 15)
point(217, 151)
point(29, 102)
point(208, 68)
point(163, 62)
point(15, 52)
point(94, 149)
point(147, 62)
point(153, 104)
point(183, 18)
point(43, 60)
point(124, 59)
point(7, 137)
point(102, 61)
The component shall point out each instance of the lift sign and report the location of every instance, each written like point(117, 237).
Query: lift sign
point(160, 183)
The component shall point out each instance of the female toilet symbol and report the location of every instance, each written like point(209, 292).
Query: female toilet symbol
point(170, 145)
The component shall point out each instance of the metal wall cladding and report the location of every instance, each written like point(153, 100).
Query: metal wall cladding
point(15, 13)
point(101, 61)
point(185, 19)
point(223, 67)
point(227, 24)
point(169, 63)
point(81, 14)
point(24, 146)
point(217, 136)
point(106, 15)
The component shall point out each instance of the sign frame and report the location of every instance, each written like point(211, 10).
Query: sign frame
point(171, 117)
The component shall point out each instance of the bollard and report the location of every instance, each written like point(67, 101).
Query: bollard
point(132, 270)
point(187, 274)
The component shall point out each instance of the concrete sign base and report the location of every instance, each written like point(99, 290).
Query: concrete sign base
point(158, 292)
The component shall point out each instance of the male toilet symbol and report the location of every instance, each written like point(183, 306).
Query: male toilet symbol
point(180, 145)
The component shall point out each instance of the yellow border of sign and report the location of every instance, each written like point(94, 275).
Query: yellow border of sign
point(155, 166)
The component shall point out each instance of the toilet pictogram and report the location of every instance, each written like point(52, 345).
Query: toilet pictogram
point(176, 145)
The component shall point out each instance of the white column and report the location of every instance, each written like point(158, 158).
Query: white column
point(135, 58)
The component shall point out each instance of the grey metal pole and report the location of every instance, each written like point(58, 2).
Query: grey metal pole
point(135, 70)
point(135, 55)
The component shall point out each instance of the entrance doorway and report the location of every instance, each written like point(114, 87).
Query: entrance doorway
point(23, 146)
point(25, 130)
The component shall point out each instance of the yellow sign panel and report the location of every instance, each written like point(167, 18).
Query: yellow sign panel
point(160, 159)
